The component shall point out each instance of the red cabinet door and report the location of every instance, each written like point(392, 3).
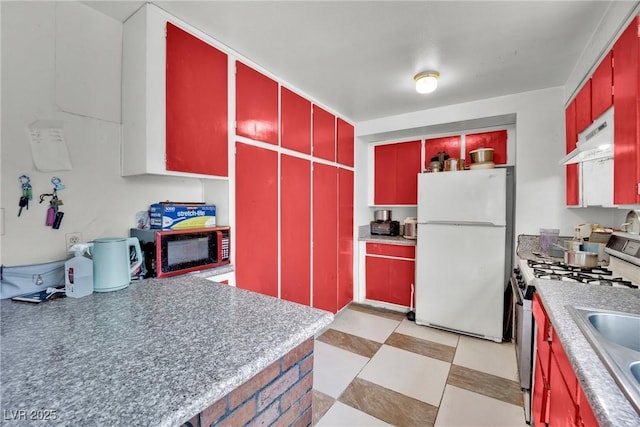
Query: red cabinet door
point(396, 168)
point(449, 144)
point(295, 121)
point(325, 237)
point(602, 87)
point(324, 134)
point(572, 194)
point(583, 108)
point(586, 417)
point(626, 150)
point(295, 229)
point(256, 263)
point(562, 407)
point(345, 237)
point(377, 278)
point(256, 105)
point(496, 140)
point(540, 396)
point(401, 277)
point(196, 105)
point(345, 141)
point(385, 178)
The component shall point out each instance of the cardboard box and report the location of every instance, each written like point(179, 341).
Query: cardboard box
point(170, 216)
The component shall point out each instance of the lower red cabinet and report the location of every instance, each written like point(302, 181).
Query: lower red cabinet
point(563, 410)
point(389, 278)
point(540, 394)
point(586, 417)
point(558, 399)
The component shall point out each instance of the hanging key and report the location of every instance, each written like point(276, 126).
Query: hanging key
point(24, 202)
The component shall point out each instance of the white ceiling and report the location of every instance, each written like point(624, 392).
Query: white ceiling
point(359, 57)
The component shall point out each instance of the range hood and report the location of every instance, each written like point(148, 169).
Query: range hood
point(595, 142)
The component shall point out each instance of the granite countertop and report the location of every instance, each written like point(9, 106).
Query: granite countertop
point(609, 404)
point(155, 353)
point(394, 240)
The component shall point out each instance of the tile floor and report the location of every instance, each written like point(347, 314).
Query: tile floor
point(374, 367)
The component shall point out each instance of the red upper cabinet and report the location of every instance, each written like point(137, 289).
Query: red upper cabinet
point(572, 190)
point(449, 144)
point(602, 87)
point(626, 101)
point(345, 140)
point(196, 101)
point(324, 134)
point(583, 108)
point(396, 168)
point(295, 121)
point(496, 140)
point(256, 105)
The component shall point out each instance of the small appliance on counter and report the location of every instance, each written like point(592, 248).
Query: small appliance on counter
point(111, 262)
point(383, 225)
point(410, 228)
point(172, 252)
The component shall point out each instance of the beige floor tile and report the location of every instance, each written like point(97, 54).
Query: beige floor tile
point(462, 408)
point(349, 342)
point(334, 368)
point(388, 405)
point(411, 374)
point(344, 415)
point(408, 327)
point(364, 325)
point(487, 356)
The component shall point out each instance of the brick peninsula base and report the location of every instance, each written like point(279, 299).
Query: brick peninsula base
point(279, 395)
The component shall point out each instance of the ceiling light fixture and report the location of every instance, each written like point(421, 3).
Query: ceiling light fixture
point(427, 81)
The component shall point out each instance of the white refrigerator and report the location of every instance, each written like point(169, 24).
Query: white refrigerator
point(464, 250)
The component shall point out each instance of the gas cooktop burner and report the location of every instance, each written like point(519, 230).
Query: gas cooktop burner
point(557, 266)
point(555, 270)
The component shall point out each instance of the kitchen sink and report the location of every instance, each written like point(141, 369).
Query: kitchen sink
point(623, 329)
point(615, 337)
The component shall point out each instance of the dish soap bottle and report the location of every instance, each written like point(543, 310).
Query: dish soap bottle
point(78, 272)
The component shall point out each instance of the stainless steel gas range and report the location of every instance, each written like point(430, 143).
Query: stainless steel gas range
point(623, 270)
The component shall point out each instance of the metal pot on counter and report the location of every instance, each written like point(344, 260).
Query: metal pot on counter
point(382, 215)
point(581, 259)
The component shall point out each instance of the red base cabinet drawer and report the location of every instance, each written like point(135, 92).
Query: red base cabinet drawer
point(400, 251)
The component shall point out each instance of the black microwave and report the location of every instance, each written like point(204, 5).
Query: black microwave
point(172, 252)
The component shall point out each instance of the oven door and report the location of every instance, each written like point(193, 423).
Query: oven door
point(523, 328)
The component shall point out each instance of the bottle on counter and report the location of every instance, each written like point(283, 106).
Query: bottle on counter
point(78, 273)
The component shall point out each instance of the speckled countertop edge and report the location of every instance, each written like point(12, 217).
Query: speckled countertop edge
point(609, 404)
point(364, 235)
point(155, 353)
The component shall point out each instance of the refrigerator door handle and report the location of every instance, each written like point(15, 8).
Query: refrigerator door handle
point(472, 223)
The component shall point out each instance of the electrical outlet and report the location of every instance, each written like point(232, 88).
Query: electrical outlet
point(72, 239)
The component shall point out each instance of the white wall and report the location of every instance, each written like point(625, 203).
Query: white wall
point(540, 143)
point(62, 61)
